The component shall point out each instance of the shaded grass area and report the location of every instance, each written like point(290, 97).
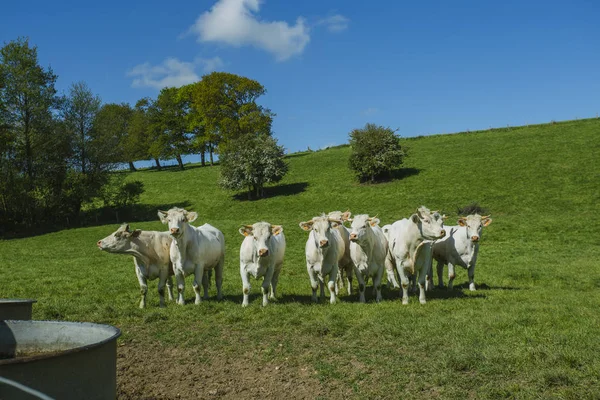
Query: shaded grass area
point(530, 331)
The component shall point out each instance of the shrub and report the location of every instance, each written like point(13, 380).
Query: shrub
point(376, 152)
point(120, 194)
point(250, 163)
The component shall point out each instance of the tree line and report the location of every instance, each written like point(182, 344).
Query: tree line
point(57, 150)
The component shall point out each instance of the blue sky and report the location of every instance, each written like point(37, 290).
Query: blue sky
point(330, 66)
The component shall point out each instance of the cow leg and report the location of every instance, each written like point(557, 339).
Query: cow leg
point(429, 277)
point(451, 275)
point(391, 274)
point(403, 280)
point(170, 287)
point(219, 277)
point(198, 278)
point(274, 282)
point(143, 285)
point(313, 281)
point(349, 271)
point(332, 283)
point(267, 284)
point(245, 286)
point(472, 278)
point(440, 272)
point(377, 284)
point(321, 289)
point(205, 283)
point(422, 283)
point(162, 280)
point(180, 278)
point(361, 286)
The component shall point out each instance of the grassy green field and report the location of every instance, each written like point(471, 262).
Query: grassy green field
point(532, 330)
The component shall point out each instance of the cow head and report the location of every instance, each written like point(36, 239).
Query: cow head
point(474, 224)
point(321, 226)
point(340, 216)
point(118, 241)
point(261, 232)
point(430, 223)
point(361, 225)
point(178, 219)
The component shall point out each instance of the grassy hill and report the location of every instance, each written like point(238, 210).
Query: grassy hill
point(530, 331)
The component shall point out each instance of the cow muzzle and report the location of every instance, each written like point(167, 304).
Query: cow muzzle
point(324, 243)
point(174, 231)
point(353, 237)
point(99, 243)
point(263, 252)
point(475, 238)
point(442, 233)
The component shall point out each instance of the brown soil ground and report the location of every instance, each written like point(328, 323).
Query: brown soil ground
point(159, 372)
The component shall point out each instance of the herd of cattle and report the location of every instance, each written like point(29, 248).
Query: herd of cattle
point(334, 253)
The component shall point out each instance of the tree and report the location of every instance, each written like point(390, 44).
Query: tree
point(376, 152)
point(111, 131)
point(226, 104)
point(140, 131)
point(200, 141)
point(251, 162)
point(28, 97)
point(168, 124)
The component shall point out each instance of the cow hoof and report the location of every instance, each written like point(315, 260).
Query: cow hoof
point(244, 305)
point(422, 301)
point(404, 302)
point(472, 288)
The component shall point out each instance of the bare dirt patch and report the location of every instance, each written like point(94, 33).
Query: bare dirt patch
point(160, 372)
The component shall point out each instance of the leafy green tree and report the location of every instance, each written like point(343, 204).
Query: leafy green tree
point(28, 97)
point(140, 134)
point(376, 152)
point(200, 140)
point(111, 132)
point(168, 125)
point(226, 104)
point(251, 162)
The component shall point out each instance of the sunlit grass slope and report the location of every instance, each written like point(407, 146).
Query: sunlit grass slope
point(531, 331)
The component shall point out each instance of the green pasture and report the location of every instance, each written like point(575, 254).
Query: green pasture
point(532, 330)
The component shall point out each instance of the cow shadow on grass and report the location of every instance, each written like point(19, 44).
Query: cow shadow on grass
point(288, 189)
point(483, 286)
point(256, 297)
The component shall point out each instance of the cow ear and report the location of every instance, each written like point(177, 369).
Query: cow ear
point(246, 230)
point(374, 221)
point(306, 226)
point(136, 233)
point(162, 215)
point(486, 221)
point(415, 218)
point(346, 216)
point(276, 229)
point(191, 216)
point(462, 222)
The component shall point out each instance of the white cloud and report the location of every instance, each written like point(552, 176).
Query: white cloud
point(370, 111)
point(234, 22)
point(209, 64)
point(171, 72)
point(335, 23)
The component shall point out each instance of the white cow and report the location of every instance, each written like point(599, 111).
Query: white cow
point(389, 268)
point(410, 248)
point(150, 251)
point(194, 250)
point(346, 268)
point(460, 247)
point(324, 249)
point(261, 254)
point(368, 249)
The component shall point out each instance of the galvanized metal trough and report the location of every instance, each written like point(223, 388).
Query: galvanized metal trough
point(16, 308)
point(64, 360)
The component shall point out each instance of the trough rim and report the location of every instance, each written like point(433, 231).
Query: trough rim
point(17, 301)
point(18, 360)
